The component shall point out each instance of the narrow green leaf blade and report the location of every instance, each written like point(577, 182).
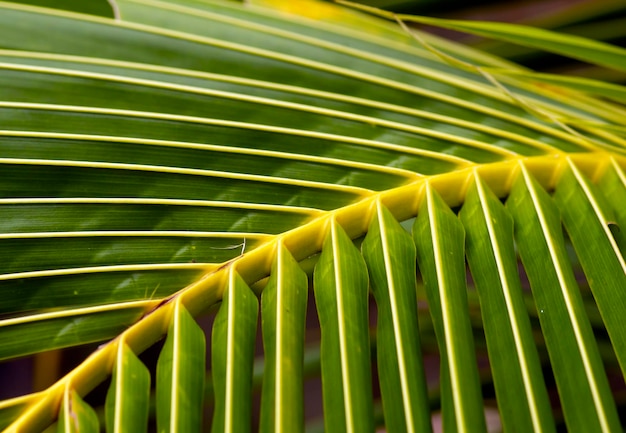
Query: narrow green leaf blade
point(389, 253)
point(520, 388)
point(577, 47)
point(71, 288)
point(580, 377)
point(587, 218)
point(126, 408)
point(233, 343)
point(76, 416)
point(341, 295)
point(71, 327)
point(180, 375)
point(613, 183)
point(283, 306)
point(439, 238)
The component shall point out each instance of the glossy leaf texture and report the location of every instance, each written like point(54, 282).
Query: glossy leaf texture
point(588, 219)
point(440, 238)
point(180, 375)
point(283, 316)
point(390, 255)
point(233, 341)
point(128, 397)
point(341, 297)
point(513, 355)
point(576, 363)
point(183, 159)
point(38, 332)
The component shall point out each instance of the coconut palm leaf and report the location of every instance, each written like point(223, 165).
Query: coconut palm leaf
point(182, 160)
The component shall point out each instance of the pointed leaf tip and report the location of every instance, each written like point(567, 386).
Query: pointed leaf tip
point(76, 416)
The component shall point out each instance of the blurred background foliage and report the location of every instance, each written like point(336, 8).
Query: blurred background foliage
point(602, 20)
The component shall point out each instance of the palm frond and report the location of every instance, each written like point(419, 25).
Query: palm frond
point(191, 156)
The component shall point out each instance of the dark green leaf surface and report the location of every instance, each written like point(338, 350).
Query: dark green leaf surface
point(159, 153)
point(156, 182)
point(233, 340)
point(101, 249)
point(341, 297)
point(389, 253)
point(439, 238)
point(580, 377)
point(58, 215)
point(283, 309)
point(587, 218)
point(180, 375)
point(126, 408)
point(196, 103)
point(46, 331)
point(513, 355)
point(343, 81)
point(93, 7)
point(613, 183)
point(78, 287)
